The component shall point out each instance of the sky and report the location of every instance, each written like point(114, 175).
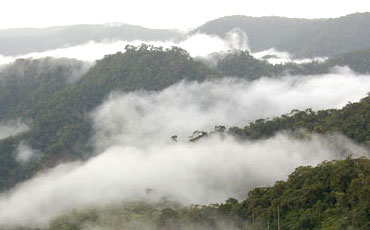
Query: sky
point(183, 15)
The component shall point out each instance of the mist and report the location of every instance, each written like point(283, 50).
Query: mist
point(134, 150)
point(24, 153)
point(12, 128)
point(198, 45)
point(189, 106)
point(274, 56)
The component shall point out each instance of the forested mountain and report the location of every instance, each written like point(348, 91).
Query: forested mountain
point(54, 96)
point(27, 40)
point(332, 195)
point(57, 110)
point(300, 37)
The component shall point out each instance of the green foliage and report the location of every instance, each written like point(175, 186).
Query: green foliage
point(333, 195)
point(41, 91)
point(244, 65)
point(27, 82)
point(45, 93)
point(12, 171)
point(61, 123)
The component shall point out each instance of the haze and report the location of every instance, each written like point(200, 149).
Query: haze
point(163, 13)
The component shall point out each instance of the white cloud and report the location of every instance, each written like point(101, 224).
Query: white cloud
point(274, 56)
point(185, 107)
point(196, 45)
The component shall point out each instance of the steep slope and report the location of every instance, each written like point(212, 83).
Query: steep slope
point(333, 195)
point(301, 37)
point(60, 127)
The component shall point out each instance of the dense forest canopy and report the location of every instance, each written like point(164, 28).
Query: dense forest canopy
point(55, 96)
point(353, 120)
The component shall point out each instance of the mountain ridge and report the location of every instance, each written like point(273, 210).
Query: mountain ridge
point(301, 37)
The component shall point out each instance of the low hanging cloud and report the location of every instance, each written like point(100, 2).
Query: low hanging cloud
point(134, 150)
point(237, 39)
point(205, 172)
point(198, 45)
point(188, 106)
point(274, 56)
point(12, 128)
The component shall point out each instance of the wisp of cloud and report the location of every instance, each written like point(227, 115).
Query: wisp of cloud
point(11, 128)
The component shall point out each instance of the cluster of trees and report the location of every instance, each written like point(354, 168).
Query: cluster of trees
point(353, 120)
point(333, 195)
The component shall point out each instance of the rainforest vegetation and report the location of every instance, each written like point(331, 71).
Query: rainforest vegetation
point(54, 97)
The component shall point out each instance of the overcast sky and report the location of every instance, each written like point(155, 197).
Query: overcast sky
point(163, 13)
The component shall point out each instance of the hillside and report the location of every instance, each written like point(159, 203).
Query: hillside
point(58, 110)
point(353, 121)
point(26, 82)
point(300, 37)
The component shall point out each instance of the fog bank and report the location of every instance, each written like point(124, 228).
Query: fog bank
point(185, 107)
point(134, 150)
point(205, 172)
